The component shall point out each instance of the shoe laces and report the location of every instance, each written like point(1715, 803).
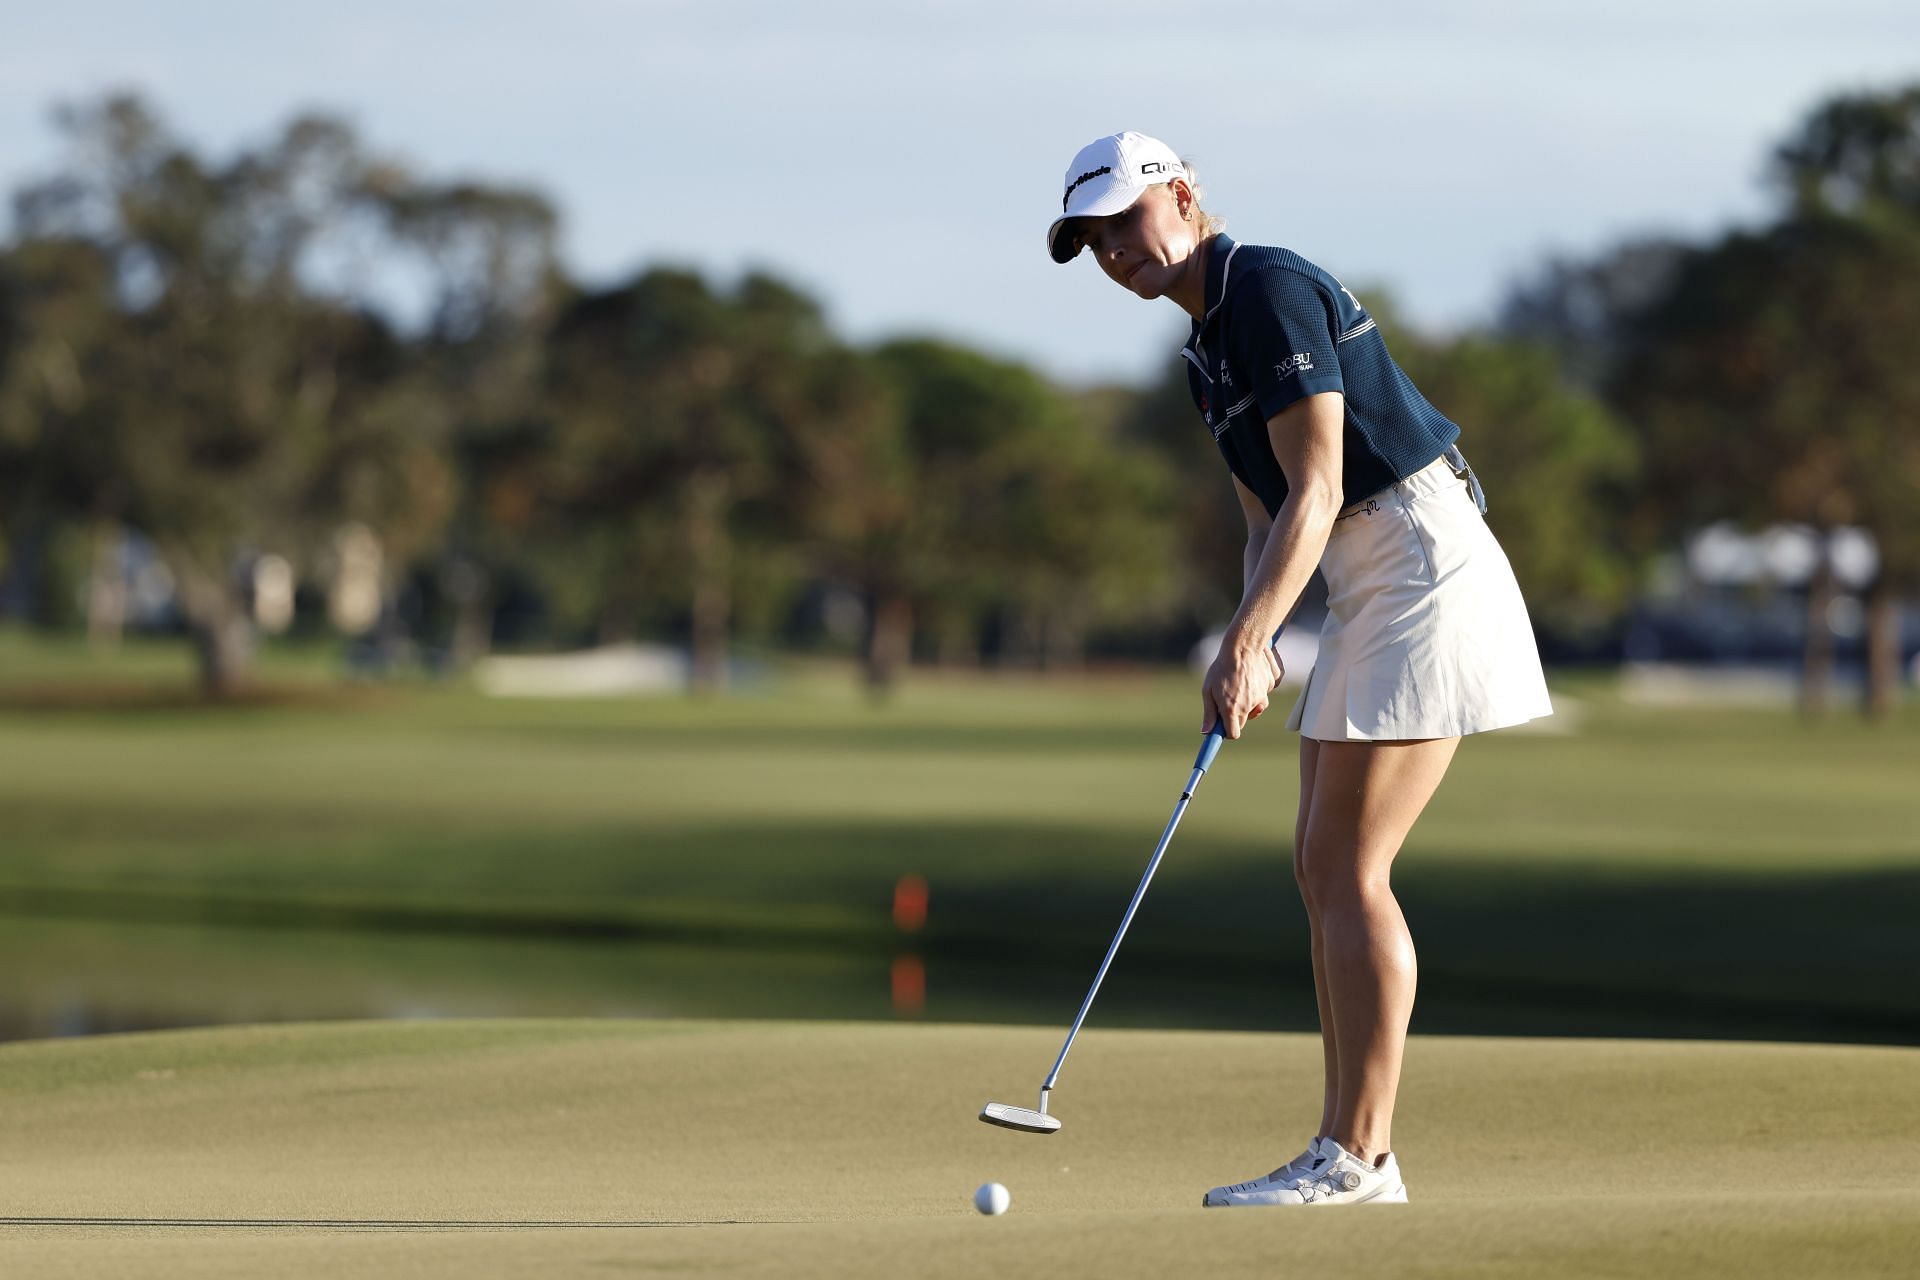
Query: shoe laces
point(1331, 1183)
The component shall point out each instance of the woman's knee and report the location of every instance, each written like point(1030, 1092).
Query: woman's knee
point(1330, 872)
point(1305, 887)
point(1300, 858)
point(1309, 761)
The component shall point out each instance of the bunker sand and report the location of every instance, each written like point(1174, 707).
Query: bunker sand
point(597, 1147)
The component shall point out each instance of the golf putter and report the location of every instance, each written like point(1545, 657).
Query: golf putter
point(1039, 1121)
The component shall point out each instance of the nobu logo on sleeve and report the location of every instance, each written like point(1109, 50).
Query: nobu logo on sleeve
point(1299, 362)
point(1088, 176)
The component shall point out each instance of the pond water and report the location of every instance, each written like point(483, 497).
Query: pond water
point(66, 977)
point(78, 977)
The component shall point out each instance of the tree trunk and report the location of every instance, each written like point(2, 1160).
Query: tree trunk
point(217, 622)
point(107, 588)
point(1023, 640)
point(224, 650)
point(1816, 668)
point(708, 548)
point(958, 644)
point(471, 588)
point(1064, 640)
point(22, 555)
point(889, 641)
point(1883, 688)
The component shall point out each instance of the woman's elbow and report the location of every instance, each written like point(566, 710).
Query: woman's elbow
point(1320, 497)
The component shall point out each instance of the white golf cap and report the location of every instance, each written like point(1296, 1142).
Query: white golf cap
point(1108, 176)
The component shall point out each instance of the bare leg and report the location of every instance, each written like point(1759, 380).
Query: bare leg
point(1366, 798)
point(1329, 1039)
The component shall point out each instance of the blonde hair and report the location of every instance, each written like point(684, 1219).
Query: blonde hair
point(1209, 225)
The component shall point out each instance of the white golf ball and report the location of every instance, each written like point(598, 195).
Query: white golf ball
point(992, 1199)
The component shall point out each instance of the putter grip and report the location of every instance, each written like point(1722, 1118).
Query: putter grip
point(1211, 747)
point(1218, 734)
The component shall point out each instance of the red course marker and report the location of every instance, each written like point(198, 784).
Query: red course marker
point(910, 903)
point(909, 986)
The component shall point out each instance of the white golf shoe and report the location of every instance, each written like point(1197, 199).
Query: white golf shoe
point(1216, 1197)
point(1337, 1176)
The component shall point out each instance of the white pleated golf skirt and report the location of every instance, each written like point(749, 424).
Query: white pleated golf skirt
point(1426, 633)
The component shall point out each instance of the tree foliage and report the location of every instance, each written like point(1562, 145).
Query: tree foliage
point(1773, 380)
point(189, 358)
point(1558, 467)
point(673, 403)
point(241, 355)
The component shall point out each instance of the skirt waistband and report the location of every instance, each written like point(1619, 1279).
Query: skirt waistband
point(1449, 468)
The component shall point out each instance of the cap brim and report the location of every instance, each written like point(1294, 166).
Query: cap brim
point(1104, 204)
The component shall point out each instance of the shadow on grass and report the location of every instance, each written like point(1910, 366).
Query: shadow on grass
point(1566, 951)
point(95, 697)
point(1016, 932)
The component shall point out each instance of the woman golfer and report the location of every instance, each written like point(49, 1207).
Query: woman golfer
point(1340, 464)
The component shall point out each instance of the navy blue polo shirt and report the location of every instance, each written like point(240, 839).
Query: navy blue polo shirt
point(1278, 329)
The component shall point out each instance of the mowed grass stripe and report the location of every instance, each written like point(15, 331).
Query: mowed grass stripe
point(1731, 791)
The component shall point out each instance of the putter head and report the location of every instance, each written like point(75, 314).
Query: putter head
point(1019, 1118)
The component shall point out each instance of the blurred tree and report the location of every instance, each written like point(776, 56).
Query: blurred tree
point(1093, 520)
point(1204, 517)
point(1764, 375)
point(1855, 163)
point(492, 285)
point(494, 534)
point(56, 315)
point(1001, 497)
point(1771, 386)
point(1856, 157)
point(223, 405)
point(1774, 379)
point(1583, 311)
point(1558, 468)
point(896, 489)
point(854, 494)
point(671, 401)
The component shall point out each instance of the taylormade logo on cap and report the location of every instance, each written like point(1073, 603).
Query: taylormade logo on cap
point(1085, 177)
point(1106, 177)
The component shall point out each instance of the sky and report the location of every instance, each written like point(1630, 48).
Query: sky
point(901, 162)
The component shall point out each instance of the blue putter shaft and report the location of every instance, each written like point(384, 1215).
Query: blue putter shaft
point(1208, 750)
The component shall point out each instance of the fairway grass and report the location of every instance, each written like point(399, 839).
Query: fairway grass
point(1658, 871)
point(586, 1147)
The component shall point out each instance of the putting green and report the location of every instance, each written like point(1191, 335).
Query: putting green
point(593, 1148)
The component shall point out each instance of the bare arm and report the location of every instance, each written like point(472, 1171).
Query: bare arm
point(1259, 524)
point(1306, 440)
